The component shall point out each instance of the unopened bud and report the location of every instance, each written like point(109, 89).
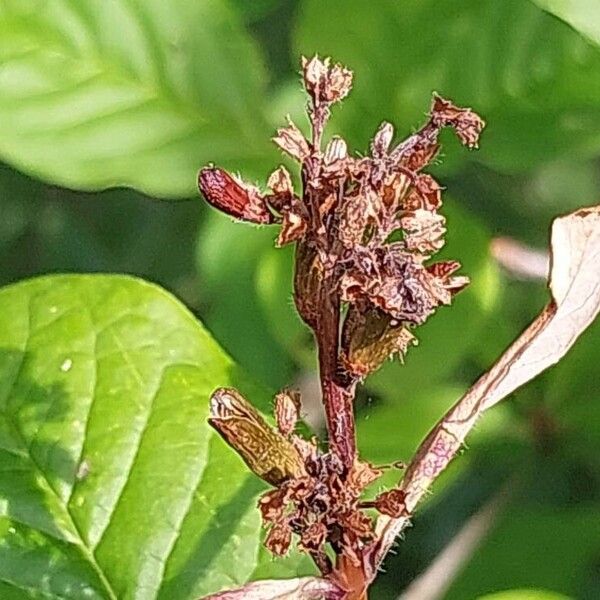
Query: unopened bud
point(235, 198)
point(287, 410)
point(337, 149)
point(382, 140)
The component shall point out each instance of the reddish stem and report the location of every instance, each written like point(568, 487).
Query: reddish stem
point(338, 391)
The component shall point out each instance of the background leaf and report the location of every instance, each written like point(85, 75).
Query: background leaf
point(582, 15)
point(96, 94)
point(113, 485)
point(532, 78)
point(524, 594)
point(569, 539)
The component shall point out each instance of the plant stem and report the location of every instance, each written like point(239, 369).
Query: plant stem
point(338, 391)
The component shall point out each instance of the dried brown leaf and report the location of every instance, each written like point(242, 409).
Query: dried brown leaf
point(302, 588)
point(575, 287)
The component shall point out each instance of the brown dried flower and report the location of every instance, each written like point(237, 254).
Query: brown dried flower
point(361, 294)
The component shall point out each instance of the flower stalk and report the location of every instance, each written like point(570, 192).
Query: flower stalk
point(365, 230)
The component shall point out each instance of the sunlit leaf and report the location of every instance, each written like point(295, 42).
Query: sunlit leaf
point(582, 15)
point(112, 483)
point(137, 93)
point(534, 80)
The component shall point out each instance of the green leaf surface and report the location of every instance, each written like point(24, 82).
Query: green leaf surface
point(535, 547)
point(228, 257)
point(112, 483)
point(524, 594)
point(534, 80)
point(582, 15)
point(138, 93)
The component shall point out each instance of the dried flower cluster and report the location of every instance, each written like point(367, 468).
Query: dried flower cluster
point(314, 496)
point(365, 229)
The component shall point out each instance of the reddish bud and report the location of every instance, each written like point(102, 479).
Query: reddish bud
point(233, 197)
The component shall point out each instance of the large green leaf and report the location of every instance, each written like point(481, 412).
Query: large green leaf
point(582, 15)
point(129, 92)
point(534, 79)
point(112, 484)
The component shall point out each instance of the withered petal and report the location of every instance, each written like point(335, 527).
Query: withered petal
point(280, 182)
point(423, 231)
point(382, 140)
point(279, 538)
point(287, 410)
point(391, 503)
point(292, 141)
point(467, 124)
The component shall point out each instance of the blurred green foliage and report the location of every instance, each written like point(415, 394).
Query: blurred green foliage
point(143, 93)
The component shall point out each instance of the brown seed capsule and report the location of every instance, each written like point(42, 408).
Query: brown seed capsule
point(232, 197)
point(391, 503)
point(369, 337)
point(268, 453)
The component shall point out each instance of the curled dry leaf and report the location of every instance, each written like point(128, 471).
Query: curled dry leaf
point(575, 303)
point(302, 588)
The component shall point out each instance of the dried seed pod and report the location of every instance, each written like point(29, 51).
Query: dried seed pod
point(233, 197)
point(308, 282)
point(269, 454)
point(370, 337)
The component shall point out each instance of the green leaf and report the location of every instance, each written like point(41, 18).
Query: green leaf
point(112, 483)
point(582, 15)
point(535, 547)
point(524, 594)
point(228, 256)
point(534, 80)
point(138, 93)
